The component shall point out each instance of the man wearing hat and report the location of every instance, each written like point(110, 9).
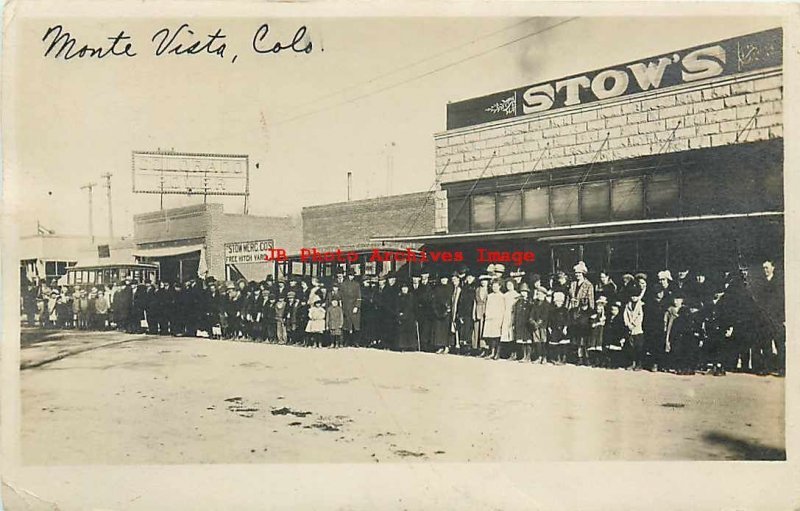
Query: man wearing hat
point(442, 314)
point(466, 311)
point(423, 298)
point(581, 288)
point(479, 346)
point(351, 308)
point(123, 300)
point(388, 304)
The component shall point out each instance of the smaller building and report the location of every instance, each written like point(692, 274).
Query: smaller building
point(350, 226)
point(190, 241)
point(48, 255)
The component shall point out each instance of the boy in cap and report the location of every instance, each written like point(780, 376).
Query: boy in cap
point(538, 316)
point(334, 320)
point(521, 313)
point(633, 317)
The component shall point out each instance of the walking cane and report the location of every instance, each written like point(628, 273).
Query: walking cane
point(419, 346)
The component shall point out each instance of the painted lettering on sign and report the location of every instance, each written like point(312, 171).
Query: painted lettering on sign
point(249, 252)
point(737, 55)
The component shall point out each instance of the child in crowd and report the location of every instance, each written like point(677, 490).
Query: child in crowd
point(334, 320)
point(558, 322)
point(538, 322)
point(597, 324)
point(493, 319)
point(634, 318)
point(613, 337)
point(280, 320)
point(316, 324)
point(522, 333)
point(580, 330)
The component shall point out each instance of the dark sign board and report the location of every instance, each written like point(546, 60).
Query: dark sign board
point(737, 55)
point(103, 251)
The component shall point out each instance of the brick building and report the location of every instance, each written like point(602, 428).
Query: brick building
point(350, 227)
point(188, 240)
point(669, 161)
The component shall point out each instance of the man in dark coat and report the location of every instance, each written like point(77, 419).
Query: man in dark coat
point(351, 308)
point(123, 301)
point(388, 300)
point(718, 325)
point(407, 339)
point(422, 290)
point(465, 312)
point(769, 295)
point(442, 314)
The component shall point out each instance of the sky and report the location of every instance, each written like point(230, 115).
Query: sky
point(369, 97)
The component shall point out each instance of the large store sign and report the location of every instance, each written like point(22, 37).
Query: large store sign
point(738, 55)
point(165, 172)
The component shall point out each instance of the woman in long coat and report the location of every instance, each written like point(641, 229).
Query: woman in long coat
point(442, 309)
point(406, 320)
point(493, 319)
point(481, 294)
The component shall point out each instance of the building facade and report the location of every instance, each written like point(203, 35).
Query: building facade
point(190, 241)
point(670, 161)
point(350, 227)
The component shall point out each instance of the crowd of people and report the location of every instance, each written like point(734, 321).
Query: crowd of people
point(680, 324)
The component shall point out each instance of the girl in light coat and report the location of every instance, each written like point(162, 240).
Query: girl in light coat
point(493, 319)
point(316, 324)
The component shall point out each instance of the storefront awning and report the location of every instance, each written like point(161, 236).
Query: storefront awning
point(577, 229)
point(166, 251)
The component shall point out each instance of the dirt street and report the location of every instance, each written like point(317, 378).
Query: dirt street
point(113, 398)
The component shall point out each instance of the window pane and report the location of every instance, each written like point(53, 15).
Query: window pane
point(594, 202)
point(652, 257)
point(483, 212)
point(626, 198)
point(623, 256)
point(662, 195)
point(536, 207)
point(509, 209)
point(565, 257)
point(700, 193)
point(50, 268)
point(564, 204)
point(595, 256)
point(771, 199)
point(458, 214)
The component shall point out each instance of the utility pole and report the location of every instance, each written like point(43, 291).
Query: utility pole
point(349, 185)
point(389, 167)
point(90, 187)
point(107, 177)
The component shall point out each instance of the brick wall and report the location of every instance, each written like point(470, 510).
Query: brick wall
point(285, 231)
point(350, 224)
point(708, 114)
point(208, 224)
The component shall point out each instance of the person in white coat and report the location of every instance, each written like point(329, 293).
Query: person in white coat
point(507, 337)
point(493, 318)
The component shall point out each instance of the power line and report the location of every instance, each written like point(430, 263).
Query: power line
point(418, 62)
point(427, 198)
point(423, 75)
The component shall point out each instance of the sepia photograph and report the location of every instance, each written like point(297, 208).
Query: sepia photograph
point(391, 239)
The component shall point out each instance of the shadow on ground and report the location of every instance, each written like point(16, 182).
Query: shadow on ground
point(744, 449)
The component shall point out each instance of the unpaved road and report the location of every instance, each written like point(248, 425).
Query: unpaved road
point(110, 398)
